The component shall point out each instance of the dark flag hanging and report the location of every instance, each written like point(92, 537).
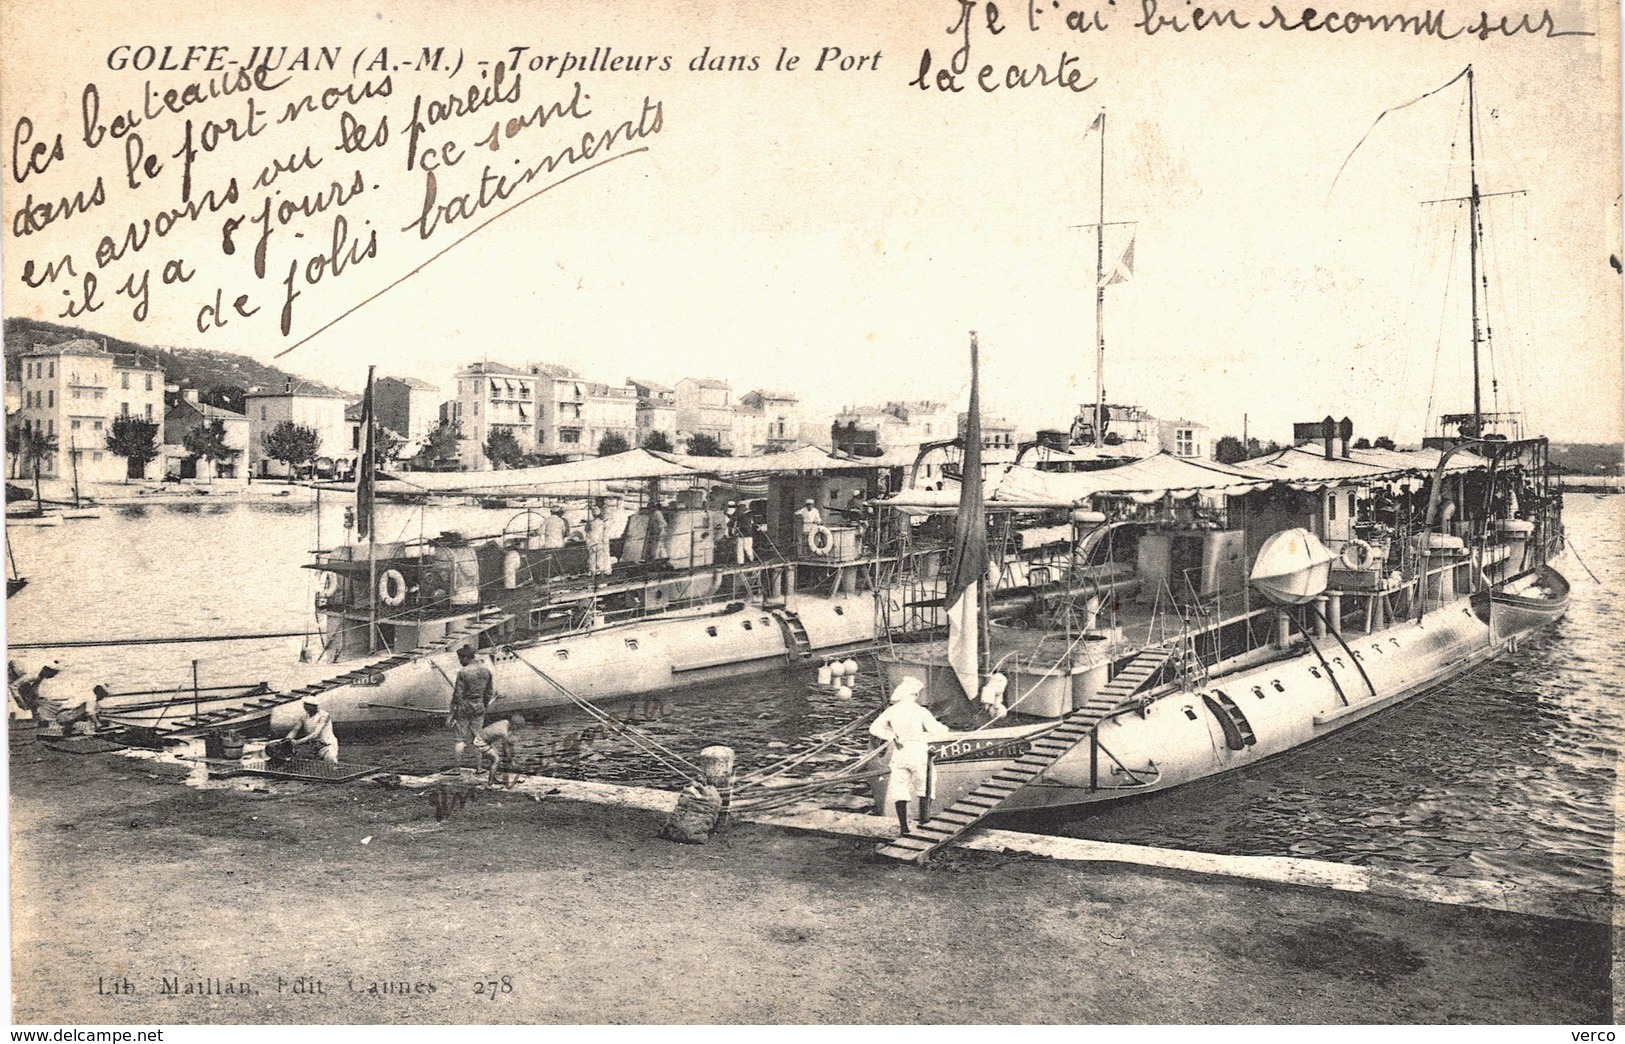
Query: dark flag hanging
point(364, 478)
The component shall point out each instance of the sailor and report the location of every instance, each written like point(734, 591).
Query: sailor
point(810, 518)
point(659, 535)
point(597, 543)
point(315, 732)
point(554, 529)
point(907, 726)
point(471, 694)
point(25, 689)
point(742, 527)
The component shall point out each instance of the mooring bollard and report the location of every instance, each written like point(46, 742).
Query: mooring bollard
point(717, 768)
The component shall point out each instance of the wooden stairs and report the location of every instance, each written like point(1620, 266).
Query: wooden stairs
point(255, 708)
point(796, 636)
point(950, 823)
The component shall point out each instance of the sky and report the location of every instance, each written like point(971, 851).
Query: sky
point(839, 234)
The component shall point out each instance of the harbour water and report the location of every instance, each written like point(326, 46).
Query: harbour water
point(1507, 775)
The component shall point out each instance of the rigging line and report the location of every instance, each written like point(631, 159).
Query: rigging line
point(452, 245)
point(1378, 120)
point(1438, 347)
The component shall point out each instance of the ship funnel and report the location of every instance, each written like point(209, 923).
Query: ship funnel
point(1292, 567)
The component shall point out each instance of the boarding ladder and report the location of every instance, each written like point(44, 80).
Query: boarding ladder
point(795, 635)
point(190, 726)
point(1077, 727)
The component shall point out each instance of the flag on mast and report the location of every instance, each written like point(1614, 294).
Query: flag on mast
point(364, 479)
point(1124, 268)
point(970, 550)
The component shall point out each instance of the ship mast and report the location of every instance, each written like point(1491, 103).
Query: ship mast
point(1100, 293)
point(1473, 232)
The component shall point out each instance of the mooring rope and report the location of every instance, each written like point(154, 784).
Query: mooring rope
point(659, 751)
point(768, 772)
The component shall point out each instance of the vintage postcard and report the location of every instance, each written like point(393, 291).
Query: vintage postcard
point(957, 512)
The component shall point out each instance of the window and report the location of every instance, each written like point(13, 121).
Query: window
point(123, 409)
point(75, 424)
point(95, 425)
point(124, 380)
point(50, 427)
point(571, 436)
point(712, 631)
point(563, 654)
point(746, 624)
point(1185, 442)
point(1331, 508)
point(149, 382)
point(97, 454)
point(149, 411)
point(262, 413)
point(51, 369)
point(632, 643)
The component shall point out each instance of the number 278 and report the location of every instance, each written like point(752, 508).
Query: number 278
point(491, 987)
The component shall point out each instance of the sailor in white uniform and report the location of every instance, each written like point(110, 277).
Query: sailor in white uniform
point(315, 731)
point(907, 726)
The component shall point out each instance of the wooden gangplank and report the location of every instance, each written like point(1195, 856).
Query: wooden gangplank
point(1077, 727)
point(250, 711)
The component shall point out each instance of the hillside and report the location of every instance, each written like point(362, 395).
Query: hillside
point(224, 373)
point(1588, 458)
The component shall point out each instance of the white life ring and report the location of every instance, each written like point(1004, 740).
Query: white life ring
point(392, 587)
point(328, 585)
point(820, 541)
point(1356, 554)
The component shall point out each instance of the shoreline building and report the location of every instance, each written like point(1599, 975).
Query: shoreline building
point(405, 405)
point(72, 391)
point(576, 414)
point(491, 397)
point(1184, 438)
point(703, 408)
point(766, 422)
point(304, 406)
point(187, 413)
point(656, 411)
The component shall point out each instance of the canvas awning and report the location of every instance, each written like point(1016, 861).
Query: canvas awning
point(802, 458)
point(633, 465)
point(1144, 481)
point(1309, 469)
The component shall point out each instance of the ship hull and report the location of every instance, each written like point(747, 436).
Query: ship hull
point(1283, 705)
point(611, 662)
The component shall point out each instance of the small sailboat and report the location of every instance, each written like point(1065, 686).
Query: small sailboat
point(80, 509)
point(15, 580)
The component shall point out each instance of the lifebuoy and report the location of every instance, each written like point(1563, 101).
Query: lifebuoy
point(820, 541)
point(392, 587)
point(1356, 554)
point(328, 585)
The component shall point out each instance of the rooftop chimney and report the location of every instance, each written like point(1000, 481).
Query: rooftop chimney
point(1328, 431)
point(1345, 431)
